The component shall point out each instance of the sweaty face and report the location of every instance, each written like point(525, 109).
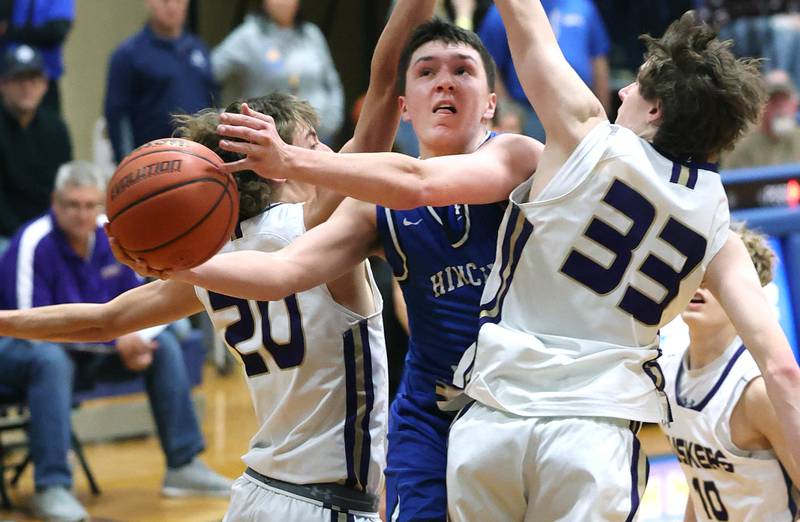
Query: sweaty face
point(76, 210)
point(447, 98)
point(24, 92)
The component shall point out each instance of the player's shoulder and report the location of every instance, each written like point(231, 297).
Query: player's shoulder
point(276, 217)
point(512, 142)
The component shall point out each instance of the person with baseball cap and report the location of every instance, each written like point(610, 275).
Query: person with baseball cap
point(34, 142)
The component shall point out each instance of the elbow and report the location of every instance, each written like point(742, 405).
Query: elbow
point(416, 189)
point(409, 196)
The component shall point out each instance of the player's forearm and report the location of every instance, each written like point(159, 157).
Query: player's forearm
point(527, 26)
point(566, 106)
point(51, 323)
point(406, 15)
point(252, 275)
point(388, 179)
point(380, 114)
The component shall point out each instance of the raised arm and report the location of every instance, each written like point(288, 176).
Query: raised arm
point(567, 107)
point(380, 115)
point(389, 179)
point(322, 254)
point(155, 303)
point(734, 282)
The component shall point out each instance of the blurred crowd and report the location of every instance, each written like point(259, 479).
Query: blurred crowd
point(48, 199)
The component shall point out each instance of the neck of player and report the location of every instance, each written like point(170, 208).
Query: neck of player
point(706, 345)
point(447, 146)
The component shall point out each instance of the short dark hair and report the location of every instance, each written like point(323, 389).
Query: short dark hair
point(288, 111)
point(438, 30)
point(708, 97)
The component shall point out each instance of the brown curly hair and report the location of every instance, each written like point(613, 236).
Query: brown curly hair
point(288, 111)
point(761, 253)
point(708, 97)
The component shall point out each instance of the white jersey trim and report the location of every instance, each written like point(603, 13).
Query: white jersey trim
point(26, 257)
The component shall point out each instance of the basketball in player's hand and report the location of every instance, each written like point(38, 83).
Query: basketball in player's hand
point(169, 205)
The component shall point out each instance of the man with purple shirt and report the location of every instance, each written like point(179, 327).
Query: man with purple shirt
point(64, 257)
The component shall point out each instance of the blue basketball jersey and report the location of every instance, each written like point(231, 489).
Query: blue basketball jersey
point(441, 256)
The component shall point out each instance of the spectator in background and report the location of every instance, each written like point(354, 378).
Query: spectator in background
point(769, 30)
point(43, 25)
point(64, 257)
point(776, 138)
point(582, 38)
point(275, 50)
point(33, 142)
point(161, 70)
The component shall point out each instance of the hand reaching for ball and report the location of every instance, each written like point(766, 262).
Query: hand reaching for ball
point(138, 265)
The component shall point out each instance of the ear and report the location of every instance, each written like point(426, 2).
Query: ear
point(403, 108)
point(655, 113)
point(491, 106)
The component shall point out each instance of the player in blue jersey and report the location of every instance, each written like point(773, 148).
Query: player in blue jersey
point(440, 255)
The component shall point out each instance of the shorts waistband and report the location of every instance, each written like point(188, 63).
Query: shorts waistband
point(331, 495)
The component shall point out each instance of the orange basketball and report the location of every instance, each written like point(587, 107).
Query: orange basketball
point(170, 206)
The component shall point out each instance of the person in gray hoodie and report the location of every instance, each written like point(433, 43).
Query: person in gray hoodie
point(275, 50)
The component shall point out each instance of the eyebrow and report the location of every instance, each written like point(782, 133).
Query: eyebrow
point(460, 56)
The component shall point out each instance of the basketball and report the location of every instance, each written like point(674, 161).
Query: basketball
point(170, 206)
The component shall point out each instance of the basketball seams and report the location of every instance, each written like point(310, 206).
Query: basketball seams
point(189, 230)
point(192, 197)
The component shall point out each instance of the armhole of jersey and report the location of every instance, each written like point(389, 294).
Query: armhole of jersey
point(401, 258)
point(578, 167)
point(724, 433)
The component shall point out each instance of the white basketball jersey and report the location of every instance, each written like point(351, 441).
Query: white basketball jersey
point(612, 249)
point(725, 482)
point(316, 372)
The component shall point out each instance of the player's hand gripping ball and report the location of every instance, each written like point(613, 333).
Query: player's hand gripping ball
point(170, 206)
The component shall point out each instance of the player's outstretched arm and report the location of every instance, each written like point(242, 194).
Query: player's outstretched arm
point(389, 179)
point(322, 254)
point(567, 107)
point(159, 302)
point(732, 279)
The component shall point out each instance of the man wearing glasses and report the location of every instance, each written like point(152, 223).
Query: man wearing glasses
point(64, 257)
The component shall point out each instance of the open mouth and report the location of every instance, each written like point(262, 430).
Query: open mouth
point(444, 108)
point(697, 299)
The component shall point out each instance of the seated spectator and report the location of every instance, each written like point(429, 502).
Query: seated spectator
point(776, 139)
point(33, 142)
point(43, 25)
point(161, 70)
point(583, 39)
point(64, 257)
point(276, 51)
